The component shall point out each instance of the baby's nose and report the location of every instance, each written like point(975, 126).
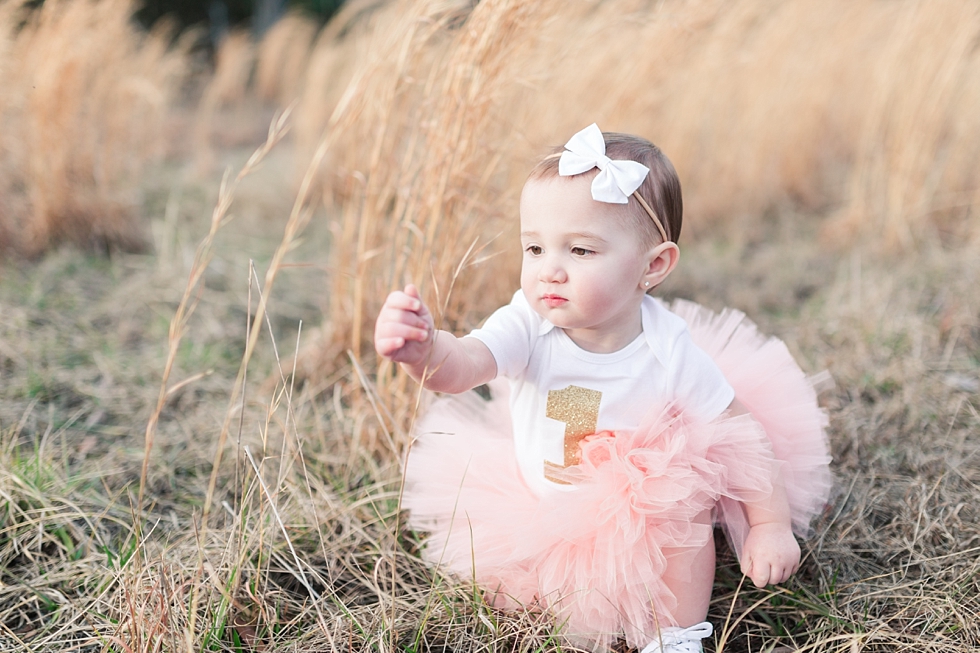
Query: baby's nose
point(553, 272)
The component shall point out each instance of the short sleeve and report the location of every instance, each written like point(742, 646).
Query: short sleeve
point(698, 385)
point(509, 334)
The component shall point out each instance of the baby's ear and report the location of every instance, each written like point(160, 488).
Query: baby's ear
point(661, 261)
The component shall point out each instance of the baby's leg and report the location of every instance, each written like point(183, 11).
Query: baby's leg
point(690, 575)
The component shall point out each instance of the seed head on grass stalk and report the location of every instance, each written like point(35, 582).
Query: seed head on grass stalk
point(428, 187)
point(298, 219)
point(188, 303)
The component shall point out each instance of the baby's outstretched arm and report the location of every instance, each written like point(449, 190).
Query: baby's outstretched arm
point(405, 333)
point(771, 553)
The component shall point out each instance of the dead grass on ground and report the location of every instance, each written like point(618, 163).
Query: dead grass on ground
point(302, 548)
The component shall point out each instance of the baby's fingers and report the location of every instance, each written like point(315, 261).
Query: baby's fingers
point(779, 575)
point(761, 575)
point(403, 301)
point(783, 573)
point(388, 346)
point(391, 318)
point(387, 332)
point(758, 571)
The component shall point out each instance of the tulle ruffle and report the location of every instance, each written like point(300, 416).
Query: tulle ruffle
point(594, 556)
point(781, 397)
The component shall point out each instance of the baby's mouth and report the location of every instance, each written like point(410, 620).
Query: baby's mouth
point(553, 301)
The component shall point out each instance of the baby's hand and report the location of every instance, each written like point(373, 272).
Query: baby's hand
point(403, 332)
point(771, 553)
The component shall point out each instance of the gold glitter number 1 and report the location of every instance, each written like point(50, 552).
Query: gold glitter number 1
point(578, 408)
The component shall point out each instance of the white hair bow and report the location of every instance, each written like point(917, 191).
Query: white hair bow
point(616, 180)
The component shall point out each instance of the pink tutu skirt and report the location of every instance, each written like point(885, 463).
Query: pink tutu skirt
point(595, 556)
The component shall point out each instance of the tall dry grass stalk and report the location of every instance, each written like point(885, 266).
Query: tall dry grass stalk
point(191, 296)
point(229, 85)
point(282, 58)
point(83, 97)
point(418, 189)
point(862, 111)
point(8, 203)
point(233, 65)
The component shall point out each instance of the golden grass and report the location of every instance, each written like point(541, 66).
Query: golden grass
point(227, 86)
point(282, 58)
point(83, 98)
point(233, 65)
point(416, 192)
point(267, 517)
point(863, 112)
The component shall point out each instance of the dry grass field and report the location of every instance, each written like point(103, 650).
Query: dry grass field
point(198, 451)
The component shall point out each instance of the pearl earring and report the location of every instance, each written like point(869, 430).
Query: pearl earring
point(646, 284)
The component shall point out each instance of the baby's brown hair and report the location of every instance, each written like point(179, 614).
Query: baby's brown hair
point(661, 189)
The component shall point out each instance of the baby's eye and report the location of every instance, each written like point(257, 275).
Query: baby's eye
point(533, 249)
point(582, 251)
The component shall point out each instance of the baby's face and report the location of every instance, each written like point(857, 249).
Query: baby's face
point(584, 265)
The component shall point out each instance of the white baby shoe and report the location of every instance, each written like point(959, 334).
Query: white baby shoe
point(680, 640)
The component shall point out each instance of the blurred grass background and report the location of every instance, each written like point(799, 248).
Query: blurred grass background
point(829, 156)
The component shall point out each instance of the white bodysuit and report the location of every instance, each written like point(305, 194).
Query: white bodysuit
point(560, 392)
